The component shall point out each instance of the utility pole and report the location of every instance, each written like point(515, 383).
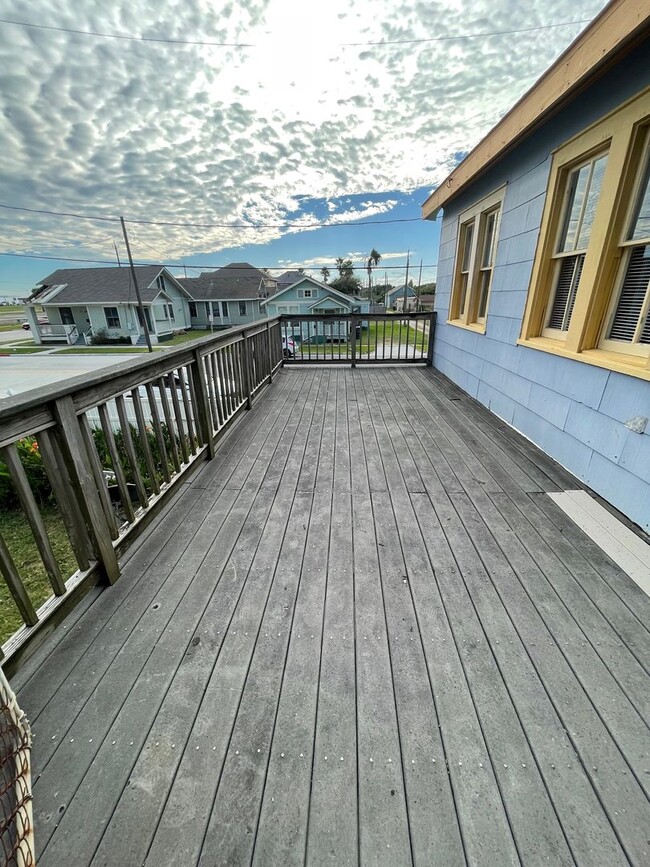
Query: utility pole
point(406, 282)
point(119, 264)
point(147, 336)
point(417, 294)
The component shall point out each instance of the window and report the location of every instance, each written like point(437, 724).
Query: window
point(112, 317)
point(224, 309)
point(242, 308)
point(583, 185)
point(66, 315)
point(215, 308)
point(160, 282)
point(192, 306)
point(307, 293)
point(589, 296)
point(477, 244)
point(170, 311)
point(629, 316)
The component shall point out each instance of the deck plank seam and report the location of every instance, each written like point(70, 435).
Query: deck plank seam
point(469, 689)
point(208, 680)
point(317, 403)
point(186, 590)
point(567, 727)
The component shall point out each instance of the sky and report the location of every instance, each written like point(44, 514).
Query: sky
point(245, 123)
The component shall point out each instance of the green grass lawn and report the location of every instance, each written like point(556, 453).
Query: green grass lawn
point(10, 326)
point(11, 308)
point(22, 350)
point(101, 350)
point(183, 338)
point(18, 537)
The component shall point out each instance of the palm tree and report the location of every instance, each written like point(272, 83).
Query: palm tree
point(373, 260)
point(325, 271)
point(340, 265)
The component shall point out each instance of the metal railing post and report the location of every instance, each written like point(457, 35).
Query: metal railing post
point(268, 350)
point(432, 328)
point(353, 360)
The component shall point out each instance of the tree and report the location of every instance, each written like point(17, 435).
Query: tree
point(346, 281)
point(325, 271)
point(373, 260)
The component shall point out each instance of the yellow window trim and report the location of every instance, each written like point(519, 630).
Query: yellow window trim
point(618, 134)
point(468, 318)
point(616, 361)
point(479, 327)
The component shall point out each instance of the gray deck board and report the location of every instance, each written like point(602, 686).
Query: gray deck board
point(362, 634)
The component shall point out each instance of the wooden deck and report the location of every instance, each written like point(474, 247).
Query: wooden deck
point(363, 633)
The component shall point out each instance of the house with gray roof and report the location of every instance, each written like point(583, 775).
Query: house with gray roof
point(85, 305)
point(228, 296)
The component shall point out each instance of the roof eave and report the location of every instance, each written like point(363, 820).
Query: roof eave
point(621, 25)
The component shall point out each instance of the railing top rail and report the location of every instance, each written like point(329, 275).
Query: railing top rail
point(343, 317)
point(115, 379)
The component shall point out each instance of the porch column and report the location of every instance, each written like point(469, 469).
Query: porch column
point(34, 327)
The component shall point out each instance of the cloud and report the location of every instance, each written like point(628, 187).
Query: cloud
point(204, 134)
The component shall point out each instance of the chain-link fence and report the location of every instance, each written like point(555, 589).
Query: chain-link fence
point(16, 824)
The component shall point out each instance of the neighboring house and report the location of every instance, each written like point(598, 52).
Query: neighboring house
point(426, 303)
point(228, 296)
point(543, 292)
point(80, 302)
point(308, 296)
point(395, 296)
point(288, 278)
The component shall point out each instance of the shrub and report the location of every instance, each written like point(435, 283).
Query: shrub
point(32, 462)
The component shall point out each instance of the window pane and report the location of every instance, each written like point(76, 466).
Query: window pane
point(640, 226)
point(577, 187)
point(463, 294)
point(484, 289)
point(583, 193)
point(591, 203)
point(467, 246)
point(487, 258)
point(630, 302)
point(565, 292)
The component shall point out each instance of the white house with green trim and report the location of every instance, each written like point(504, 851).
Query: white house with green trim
point(86, 303)
point(308, 297)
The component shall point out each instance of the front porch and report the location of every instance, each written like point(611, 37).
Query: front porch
point(362, 633)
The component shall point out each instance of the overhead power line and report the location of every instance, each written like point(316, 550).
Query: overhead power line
point(206, 42)
point(203, 267)
point(181, 225)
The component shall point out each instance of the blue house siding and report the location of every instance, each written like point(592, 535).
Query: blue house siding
point(574, 411)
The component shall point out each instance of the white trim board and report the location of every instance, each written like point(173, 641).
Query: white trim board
point(624, 547)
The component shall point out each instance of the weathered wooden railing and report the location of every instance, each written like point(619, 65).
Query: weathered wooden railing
point(103, 450)
point(359, 338)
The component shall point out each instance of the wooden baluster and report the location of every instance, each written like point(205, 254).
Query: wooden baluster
point(247, 372)
point(117, 468)
point(16, 586)
point(131, 456)
point(216, 388)
point(34, 517)
point(160, 436)
point(224, 385)
point(171, 429)
point(202, 401)
point(191, 436)
point(65, 501)
point(230, 371)
point(77, 450)
point(144, 440)
point(269, 360)
point(98, 476)
point(173, 387)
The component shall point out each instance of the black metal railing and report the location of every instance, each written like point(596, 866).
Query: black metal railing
point(86, 464)
point(361, 338)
